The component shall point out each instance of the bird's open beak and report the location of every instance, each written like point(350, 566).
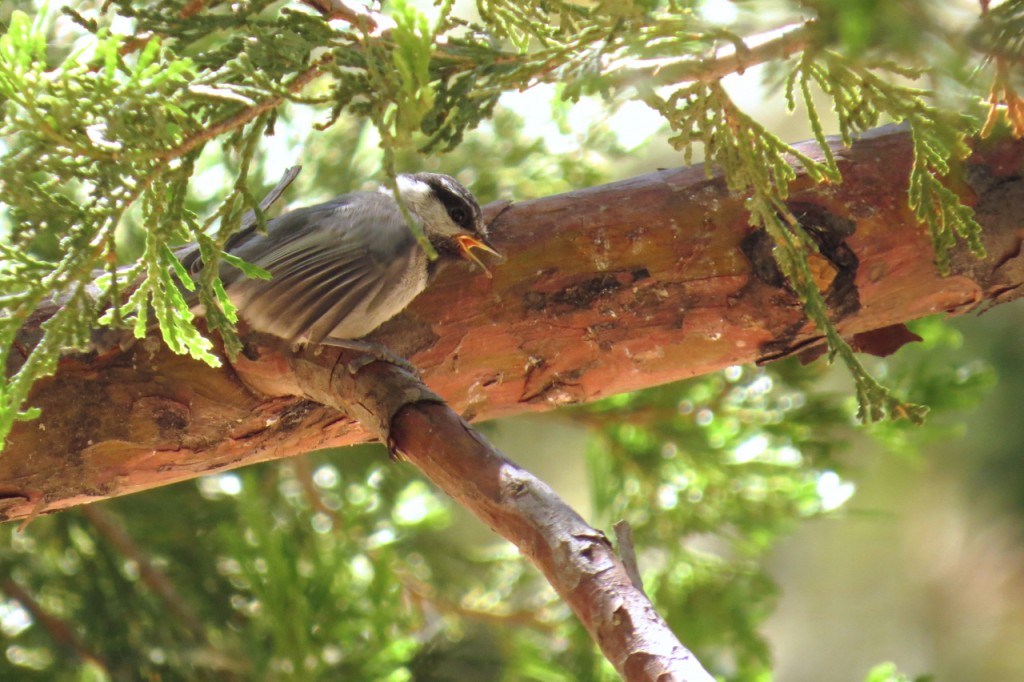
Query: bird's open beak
point(468, 242)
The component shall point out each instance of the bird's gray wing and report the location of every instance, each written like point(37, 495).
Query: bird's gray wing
point(329, 265)
point(189, 254)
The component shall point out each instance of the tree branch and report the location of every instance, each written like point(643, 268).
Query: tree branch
point(773, 46)
point(156, 580)
point(607, 289)
point(246, 115)
point(335, 9)
point(577, 560)
point(62, 633)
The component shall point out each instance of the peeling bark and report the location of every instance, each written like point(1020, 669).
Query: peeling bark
point(577, 560)
point(606, 289)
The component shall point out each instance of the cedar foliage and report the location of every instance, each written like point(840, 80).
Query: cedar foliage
point(104, 123)
point(104, 128)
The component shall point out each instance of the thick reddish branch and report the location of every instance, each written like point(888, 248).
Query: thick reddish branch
point(606, 289)
point(577, 560)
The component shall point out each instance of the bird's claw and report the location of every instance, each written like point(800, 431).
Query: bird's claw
point(371, 352)
point(385, 355)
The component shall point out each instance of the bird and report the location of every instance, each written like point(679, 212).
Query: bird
point(341, 269)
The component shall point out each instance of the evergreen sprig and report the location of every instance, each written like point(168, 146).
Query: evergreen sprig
point(755, 162)
point(1000, 31)
point(101, 128)
point(69, 173)
point(113, 127)
point(862, 100)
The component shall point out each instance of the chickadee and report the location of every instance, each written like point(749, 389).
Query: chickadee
point(341, 269)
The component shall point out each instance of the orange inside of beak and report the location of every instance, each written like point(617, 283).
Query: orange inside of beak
point(468, 242)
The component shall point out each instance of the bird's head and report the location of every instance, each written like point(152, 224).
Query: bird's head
point(450, 216)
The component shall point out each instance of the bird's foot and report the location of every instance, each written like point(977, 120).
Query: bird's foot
point(371, 352)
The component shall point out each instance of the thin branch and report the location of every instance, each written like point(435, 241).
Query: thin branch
point(151, 576)
point(577, 560)
point(627, 552)
point(246, 115)
point(335, 9)
point(726, 62)
point(425, 594)
point(192, 8)
point(62, 633)
point(304, 474)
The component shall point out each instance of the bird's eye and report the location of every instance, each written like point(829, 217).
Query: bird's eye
point(457, 215)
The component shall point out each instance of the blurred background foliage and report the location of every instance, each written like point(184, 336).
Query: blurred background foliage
point(739, 486)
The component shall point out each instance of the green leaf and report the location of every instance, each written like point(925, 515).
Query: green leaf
point(248, 269)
